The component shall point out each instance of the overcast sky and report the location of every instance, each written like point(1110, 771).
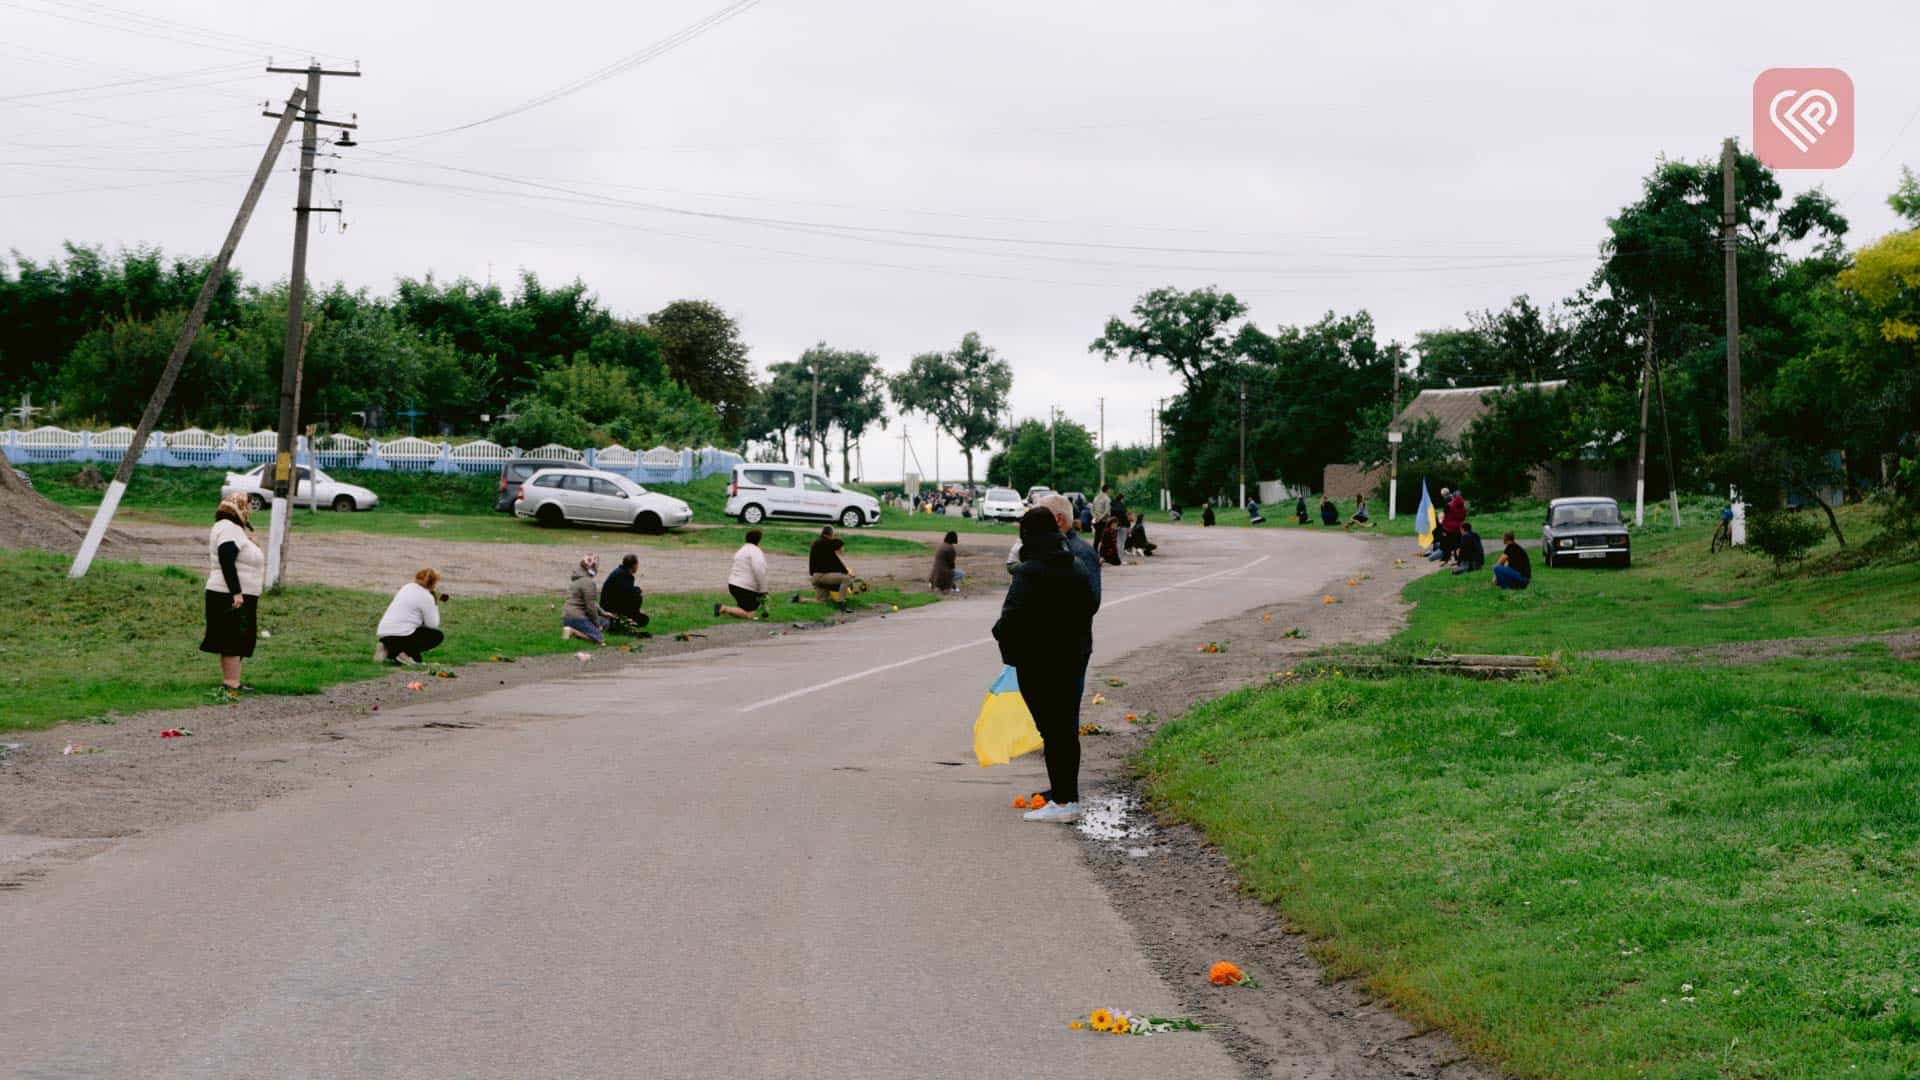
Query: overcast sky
point(917, 171)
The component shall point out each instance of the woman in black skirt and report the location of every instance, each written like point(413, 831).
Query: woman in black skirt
point(238, 569)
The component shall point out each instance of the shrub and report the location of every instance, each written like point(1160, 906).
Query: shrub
point(1783, 535)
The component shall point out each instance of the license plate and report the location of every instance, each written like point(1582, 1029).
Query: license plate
point(1593, 554)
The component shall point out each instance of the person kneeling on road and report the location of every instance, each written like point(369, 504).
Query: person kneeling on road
point(828, 571)
point(1515, 569)
point(582, 617)
point(1045, 633)
point(747, 581)
point(621, 597)
point(947, 575)
point(411, 625)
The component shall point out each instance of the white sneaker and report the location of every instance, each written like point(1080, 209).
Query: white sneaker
point(1054, 811)
point(379, 652)
point(407, 661)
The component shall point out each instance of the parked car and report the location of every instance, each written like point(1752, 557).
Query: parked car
point(1001, 504)
point(759, 492)
point(515, 472)
point(1036, 493)
point(257, 484)
point(1077, 500)
point(1584, 531)
point(555, 497)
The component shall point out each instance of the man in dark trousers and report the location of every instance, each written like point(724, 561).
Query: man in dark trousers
point(828, 571)
point(1515, 569)
point(1045, 634)
point(620, 598)
point(1472, 555)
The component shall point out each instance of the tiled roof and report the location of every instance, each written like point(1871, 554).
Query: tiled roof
point(1457, 408)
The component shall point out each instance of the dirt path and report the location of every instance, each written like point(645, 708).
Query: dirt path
point(469, 568)
point(1903, 644)
point(1178, 892)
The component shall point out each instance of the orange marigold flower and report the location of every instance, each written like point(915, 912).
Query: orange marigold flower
point(1225, 973)
point(1037, 801)
point(1019, 802)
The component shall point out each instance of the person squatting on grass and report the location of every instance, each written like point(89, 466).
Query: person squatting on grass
point(1045, 633)
point(827, 570)
point(237, 571)
point(947, 575)
point(1515, 569)
point(620, 598)
point(747, 581)
point(582, 616)
point(411, 625)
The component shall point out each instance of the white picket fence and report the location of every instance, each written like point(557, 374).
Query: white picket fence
point(194, 448)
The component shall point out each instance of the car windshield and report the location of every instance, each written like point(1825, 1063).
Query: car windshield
point(1587, 514)
point(1003, 495)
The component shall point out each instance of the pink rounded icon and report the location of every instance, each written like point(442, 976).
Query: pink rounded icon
point(1803, 118)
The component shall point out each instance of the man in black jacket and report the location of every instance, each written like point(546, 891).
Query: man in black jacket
point(1046, 634)
point(1083, 553)
point(620, 598)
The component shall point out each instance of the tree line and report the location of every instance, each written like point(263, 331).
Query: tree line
point(1831, 387)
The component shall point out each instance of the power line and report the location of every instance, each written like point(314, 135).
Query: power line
point(627, 63)
point(141, 25)
point(181, 75)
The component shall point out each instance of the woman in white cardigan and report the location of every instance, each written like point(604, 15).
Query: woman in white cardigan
point(411, 625)
point(237, 571)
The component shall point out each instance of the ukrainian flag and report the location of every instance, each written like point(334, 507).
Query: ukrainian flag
point(1005, 728)
point(1425, 518)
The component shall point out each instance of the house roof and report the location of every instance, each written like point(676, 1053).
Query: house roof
point(1458, 407)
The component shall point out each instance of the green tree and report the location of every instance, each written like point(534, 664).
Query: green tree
point(701, 348)
point(1066, 463)
point(964, 391)
point(1523, 428)
point(1905, 199)
point(853, 396)
point(1190, 332)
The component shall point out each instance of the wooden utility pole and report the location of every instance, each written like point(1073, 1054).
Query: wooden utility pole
point(217, 272)
point(1730, 241)
point(1646, 395)
point(303, 209)
point(1103, 443)
point(1666, 439)
point(813, 419)
point(1243, 442)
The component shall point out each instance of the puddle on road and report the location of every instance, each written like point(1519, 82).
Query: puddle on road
point(1119, 822)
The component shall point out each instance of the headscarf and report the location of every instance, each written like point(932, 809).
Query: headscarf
point(237, 508)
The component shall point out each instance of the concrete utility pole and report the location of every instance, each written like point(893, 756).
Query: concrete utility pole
point(1393, 448)
point(1159, 411)
point(1666, 438)
point(303, 208)
point(1243, 443)
point(1103, 443)
point(103, 516)
point(813, 421)
point(1053, 421)
point(1646, 395)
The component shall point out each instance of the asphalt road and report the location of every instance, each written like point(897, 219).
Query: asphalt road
point(748, 862)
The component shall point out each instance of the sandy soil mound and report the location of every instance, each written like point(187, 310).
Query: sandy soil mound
point(28, 520)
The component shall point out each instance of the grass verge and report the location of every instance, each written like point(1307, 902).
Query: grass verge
point(1629, 871)
point(126, 637)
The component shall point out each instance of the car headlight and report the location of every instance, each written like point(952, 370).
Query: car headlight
point(1567, 542)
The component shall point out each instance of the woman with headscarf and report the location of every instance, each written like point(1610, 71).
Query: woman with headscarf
point(582, 617)
point(1045, 633)
point(238, 571)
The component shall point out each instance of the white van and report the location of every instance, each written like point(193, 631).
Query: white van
point(759, 492)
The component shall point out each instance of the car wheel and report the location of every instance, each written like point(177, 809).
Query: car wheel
point(851, 518)
point(258, 502)
point(648, 522)
point(343, 503)
point(751, 514)
point(551, 516)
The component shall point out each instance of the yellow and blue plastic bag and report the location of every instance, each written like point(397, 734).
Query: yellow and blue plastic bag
point(1005, 728)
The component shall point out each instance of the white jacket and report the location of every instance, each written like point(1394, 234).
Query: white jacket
point(749, 569)
point(411, 609)
point(251, 563)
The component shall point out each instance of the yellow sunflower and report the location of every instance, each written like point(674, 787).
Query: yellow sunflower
point(1101, 1020)
point(1078, 1025)
point(1120, 1026)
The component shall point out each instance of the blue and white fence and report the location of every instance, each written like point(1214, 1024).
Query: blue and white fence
point(194, 448)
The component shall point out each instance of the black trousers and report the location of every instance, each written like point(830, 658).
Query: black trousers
point(1052, 693)
point(415, 644)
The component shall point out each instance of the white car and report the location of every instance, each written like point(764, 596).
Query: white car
point(1037, 492)
point(257, 484)
point(759, 492)
point(556, 497)
point(1001, 504)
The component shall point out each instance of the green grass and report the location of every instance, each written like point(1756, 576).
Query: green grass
point(1544, 868)
point(1676, 593)
point(126, 637)
point(443, 506)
